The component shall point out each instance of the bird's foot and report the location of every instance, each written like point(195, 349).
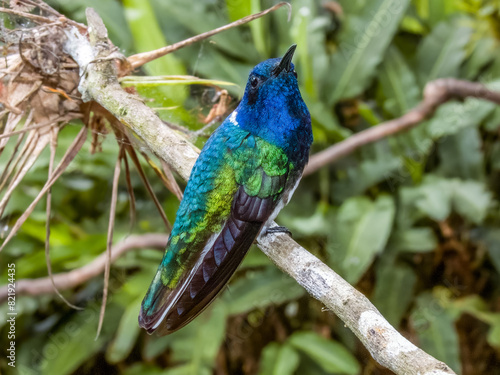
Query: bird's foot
point(279, 230)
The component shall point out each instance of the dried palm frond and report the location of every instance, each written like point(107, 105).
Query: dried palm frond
point(39, 96)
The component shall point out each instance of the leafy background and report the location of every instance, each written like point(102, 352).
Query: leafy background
point(411, 221)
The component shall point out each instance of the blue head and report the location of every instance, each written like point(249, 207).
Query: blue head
point(272, 107)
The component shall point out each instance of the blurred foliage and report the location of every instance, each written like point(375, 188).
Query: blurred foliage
point(412, 221)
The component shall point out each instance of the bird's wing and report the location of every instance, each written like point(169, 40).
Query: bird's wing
point(251, 176)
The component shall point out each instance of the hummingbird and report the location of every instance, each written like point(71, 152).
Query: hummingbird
point(245, 174)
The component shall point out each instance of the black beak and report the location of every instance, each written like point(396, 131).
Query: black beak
point(286, 61)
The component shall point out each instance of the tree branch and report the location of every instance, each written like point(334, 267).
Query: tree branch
point(71, 279)
point(387, 346)
point(435, 94)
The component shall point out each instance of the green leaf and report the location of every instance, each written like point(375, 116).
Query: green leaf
point(237, 9)
point(474, 305)
point(71, 255)
point(492, 122)
point(322, 117)
point(415, 145)
point(171, 81)
point(412, 25)
point(478, 308)
point(258, 29)
point(368, 113)
point(361, 232)
point(398, 84)
point(301, 35)
point(442, 52)
point(461, 155)
point(419, 240)
point(435, 11)
point(143, 369)
point(189, 369)
point(278, 359)
point(331, 355)
point(483, 53)
point(196, 345)
point(318, 224)
point(436, 197)
point(451, 118)
point(495, 157)
point(202, 17)
point(362, 44)
point(25, 305)
point(155, 346)
point(472, 200)
point(138, 14)
point(260, 290)
point(126, 335)
point(375, 164)
point(394, 291)
point(435, 330)
point(74, 342)
point(490, 237)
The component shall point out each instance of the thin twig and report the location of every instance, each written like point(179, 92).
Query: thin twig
point(148, 186)
point(140, 59)
point(33, 17)
point(53, 147)
point(174, 186)
point(43, 125)
point(171, 184)
point(42, 6)
point(130, 191)
point(435, 94)
point(42, 19)
point(37, 143)
point(63, 164)
point(17, 160)
point(73, 278)
point(109, 243)
point(7, 171)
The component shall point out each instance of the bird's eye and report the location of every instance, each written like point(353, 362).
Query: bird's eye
point(295, 73)
point(254, 81)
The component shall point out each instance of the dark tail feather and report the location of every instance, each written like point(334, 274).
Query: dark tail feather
point(171, 309)
point(176, 308)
